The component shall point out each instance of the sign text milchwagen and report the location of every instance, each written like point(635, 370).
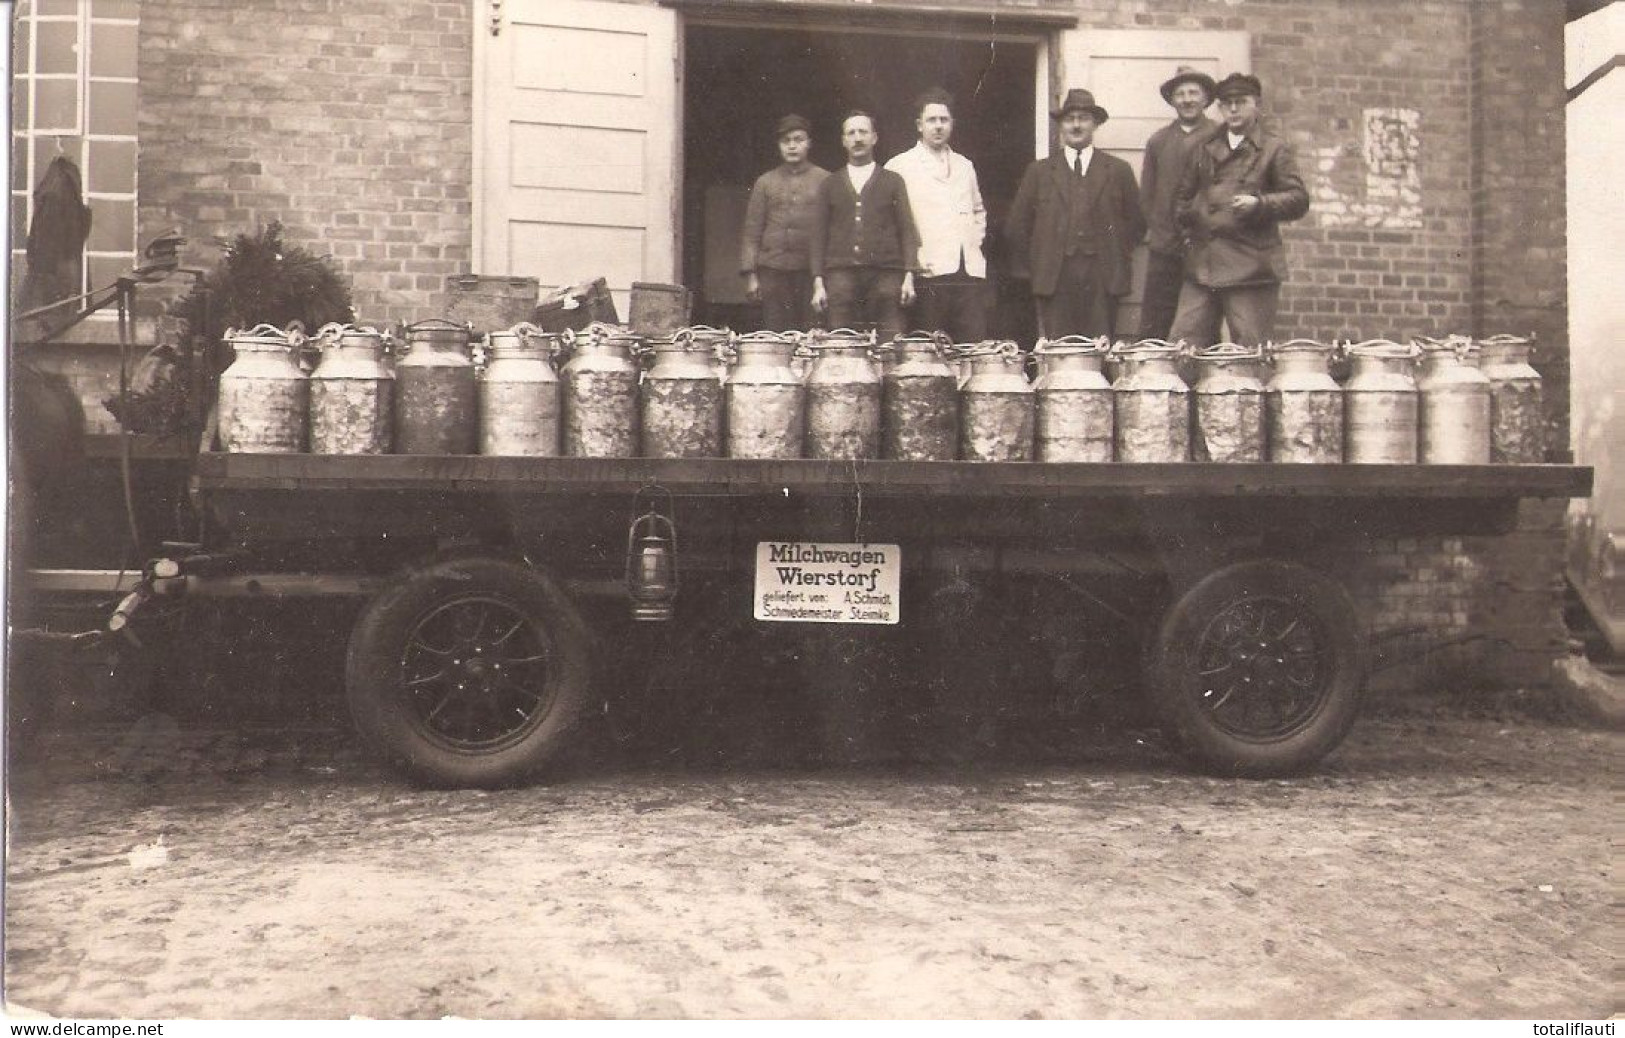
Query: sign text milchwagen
point(799, 581)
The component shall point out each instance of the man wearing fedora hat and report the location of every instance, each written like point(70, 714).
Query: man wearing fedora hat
point(1240, 184)
point(775, 256)
point(1189, 92)
point(1073, 226)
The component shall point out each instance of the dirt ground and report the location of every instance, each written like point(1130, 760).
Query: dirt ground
point(1437, 866)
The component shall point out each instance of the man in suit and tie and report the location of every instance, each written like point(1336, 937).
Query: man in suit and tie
point(1073, 227)
point(864, 244)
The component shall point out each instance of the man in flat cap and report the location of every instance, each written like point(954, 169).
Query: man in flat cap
point(1238, 187)
point(775, 255)
point(1190, 92)
point(1073, 226)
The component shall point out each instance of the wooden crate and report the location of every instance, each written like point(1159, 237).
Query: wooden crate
point(488, 303)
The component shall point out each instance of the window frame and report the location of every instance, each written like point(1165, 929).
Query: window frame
point(33, 153)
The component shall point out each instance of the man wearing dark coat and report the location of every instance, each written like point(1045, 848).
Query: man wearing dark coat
point(864, 244)
point(1189, 93)
point(1241, 183)
point(774, 251)
point(1073, 227)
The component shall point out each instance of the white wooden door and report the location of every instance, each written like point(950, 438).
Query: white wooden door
point(1125, 67)
point(577, 128)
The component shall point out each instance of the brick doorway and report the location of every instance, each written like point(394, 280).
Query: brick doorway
point(738, 82)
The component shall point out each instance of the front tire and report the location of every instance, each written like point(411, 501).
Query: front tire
point(469, 672)
point(1259, 669)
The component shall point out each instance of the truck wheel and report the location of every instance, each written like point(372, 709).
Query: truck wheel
point(469, 672)
point(1259, 669)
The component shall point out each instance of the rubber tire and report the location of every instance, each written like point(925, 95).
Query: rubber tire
point(1171, 663)
point(373, 678)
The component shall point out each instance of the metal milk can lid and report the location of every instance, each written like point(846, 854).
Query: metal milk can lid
point(267, 337)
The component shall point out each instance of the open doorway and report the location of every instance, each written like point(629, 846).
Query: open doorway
point(739, 81)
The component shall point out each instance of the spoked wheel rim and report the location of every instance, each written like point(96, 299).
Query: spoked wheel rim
point(476, 674)
point(1263, 668)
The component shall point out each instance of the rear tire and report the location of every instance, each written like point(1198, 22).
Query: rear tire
point(1259, 669)
point(469, 672)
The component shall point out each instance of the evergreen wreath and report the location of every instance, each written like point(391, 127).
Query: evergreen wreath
point(263, 280)
point(260, 280)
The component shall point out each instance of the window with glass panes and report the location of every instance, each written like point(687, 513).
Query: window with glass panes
point(74, 94)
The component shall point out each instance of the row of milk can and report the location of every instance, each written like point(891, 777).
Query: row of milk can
point(698, 393)
point(1438, 401)
point(357, 398)
point(706, 392)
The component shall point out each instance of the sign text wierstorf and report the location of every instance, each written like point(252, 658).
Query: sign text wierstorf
point(828, 583)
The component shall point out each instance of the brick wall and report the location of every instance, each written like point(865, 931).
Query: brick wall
point(1386, 248)
point(348, 120)
point(1519, 186)
point(1520, 284)
point(1461, 613)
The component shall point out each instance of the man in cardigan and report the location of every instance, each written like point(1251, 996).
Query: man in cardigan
point(1073, 227)
point(773, 256)
point(864, 245)
point(1190, 92)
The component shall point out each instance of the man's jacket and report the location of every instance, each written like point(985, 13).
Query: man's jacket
point(1055, 215)
point(778, 219)
point(1165, 156)
point(876, 230)
point(948, 210)
point(1227, 251)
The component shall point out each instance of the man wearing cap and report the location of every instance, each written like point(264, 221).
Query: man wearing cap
point(947, 205)
point(775, 254)
point(1190, 93)
point(1073, 227)
point(864, 245)
point(1237, 188)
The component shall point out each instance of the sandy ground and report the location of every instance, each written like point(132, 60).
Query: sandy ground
point(1436, 867)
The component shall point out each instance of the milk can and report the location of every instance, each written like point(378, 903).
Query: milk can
point(1455, 403)
point(766, 402)
point(1380, 404)
point(601, 393)
point(1229, 404)
point(1153, 403)
point(920, 401)
point(997, 411)
point(1303, 404)
point(963, 365)
point(843, 396)
point(352, 393)
point(717, 344)
point(520, 393)
point(1075, 407)
point(1517, 418)
point(264, 401)
point(682, 397)
point(436, 399)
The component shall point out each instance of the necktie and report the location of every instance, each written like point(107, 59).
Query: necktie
point(1077, 163)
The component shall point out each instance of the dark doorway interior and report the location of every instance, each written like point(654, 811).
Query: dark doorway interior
point(739, 82)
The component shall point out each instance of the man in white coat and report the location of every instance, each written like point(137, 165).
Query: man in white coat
point(951, 282)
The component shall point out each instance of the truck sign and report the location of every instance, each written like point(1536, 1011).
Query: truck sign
point(808, 582)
